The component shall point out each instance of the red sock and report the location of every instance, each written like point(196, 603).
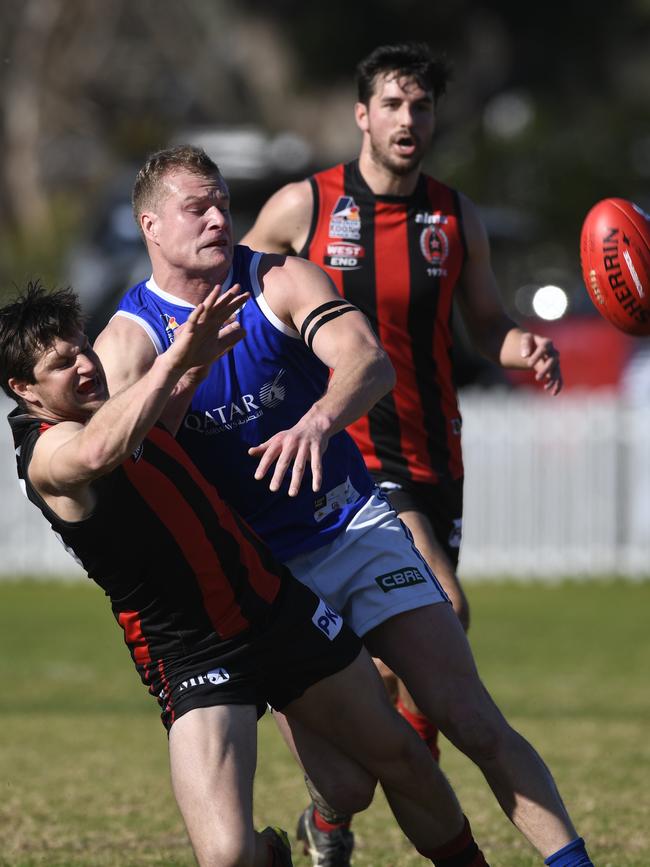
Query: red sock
point(324, 825)
point(462, 851)
point(425, 729)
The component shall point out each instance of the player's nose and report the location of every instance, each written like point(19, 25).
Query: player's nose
point(216, 216)
point(406, 115)
point(86, 363)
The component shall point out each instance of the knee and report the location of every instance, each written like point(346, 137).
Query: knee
point(227, 852)
point(349, 795)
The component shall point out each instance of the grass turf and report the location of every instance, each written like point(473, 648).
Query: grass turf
point(83, 760)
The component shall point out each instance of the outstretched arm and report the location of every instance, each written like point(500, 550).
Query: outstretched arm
point(493, 333)
point(361, 372)
point(70, 456)
point(127, 353)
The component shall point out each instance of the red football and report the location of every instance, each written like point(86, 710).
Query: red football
point(615, 258)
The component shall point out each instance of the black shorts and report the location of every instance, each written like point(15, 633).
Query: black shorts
point(304, 642)
point(441, 503)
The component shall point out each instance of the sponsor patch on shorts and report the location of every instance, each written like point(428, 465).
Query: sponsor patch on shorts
point(327, 620)
point(214, 677)
point(406, 577)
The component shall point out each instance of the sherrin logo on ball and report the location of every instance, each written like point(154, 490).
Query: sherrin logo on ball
point(615, 259)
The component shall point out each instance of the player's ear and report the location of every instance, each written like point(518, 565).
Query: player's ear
point(148, 224)
point(24, 390)
point(361, 116)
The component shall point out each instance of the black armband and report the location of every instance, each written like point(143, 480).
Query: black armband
point(340, 306)
point(338, 302)
point(324, 319)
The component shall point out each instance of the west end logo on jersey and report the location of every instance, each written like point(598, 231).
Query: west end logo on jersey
point(215, 677)
point(327, 620)
point(248, 408)
point(171, 324)
point(434, 246)
point(345, 219)
point(344, 257)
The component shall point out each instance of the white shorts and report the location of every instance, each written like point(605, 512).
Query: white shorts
point(371, 571)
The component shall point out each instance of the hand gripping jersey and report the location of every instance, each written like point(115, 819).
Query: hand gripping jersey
point(265, 384)
point(398, 259)
point(187, 579)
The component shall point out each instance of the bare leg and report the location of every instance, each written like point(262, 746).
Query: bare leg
point(439, 563)
point(342, 782)
point(351, 710)
point(213, 753)
point(441, 675)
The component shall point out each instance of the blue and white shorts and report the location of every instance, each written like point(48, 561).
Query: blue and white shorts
point(372, 570)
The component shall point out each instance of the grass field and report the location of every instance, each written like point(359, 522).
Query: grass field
point(83, 761)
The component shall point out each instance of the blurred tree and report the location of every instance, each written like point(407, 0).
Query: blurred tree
point(549, 110)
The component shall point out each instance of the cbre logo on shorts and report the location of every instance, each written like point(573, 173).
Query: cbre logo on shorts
point(327, 620)
point(406, 577)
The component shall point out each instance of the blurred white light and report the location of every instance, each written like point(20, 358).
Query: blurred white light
point(550, 302)
point(289, 152)
point(508, 115)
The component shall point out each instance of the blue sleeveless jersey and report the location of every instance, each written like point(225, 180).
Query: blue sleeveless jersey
point(265, 384)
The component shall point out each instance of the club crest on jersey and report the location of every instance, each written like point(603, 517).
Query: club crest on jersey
point(434, 246)
point(170, 324)
point(344, 257)
point(345, 219)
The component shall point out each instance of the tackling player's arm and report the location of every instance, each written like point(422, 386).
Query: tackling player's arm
point(493, 333)
point(68, 457)
point(302, 296)
point(283, 223)
point(127, 353)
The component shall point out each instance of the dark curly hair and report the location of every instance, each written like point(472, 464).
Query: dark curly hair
point(412, 59)
point(29, 325)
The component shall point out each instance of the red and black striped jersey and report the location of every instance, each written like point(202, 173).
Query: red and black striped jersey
point(186, 577)
point(398, 258)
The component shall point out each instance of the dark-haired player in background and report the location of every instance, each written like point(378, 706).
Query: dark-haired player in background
point(401, 246)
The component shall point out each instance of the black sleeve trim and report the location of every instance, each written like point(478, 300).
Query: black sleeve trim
point(304, 252)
